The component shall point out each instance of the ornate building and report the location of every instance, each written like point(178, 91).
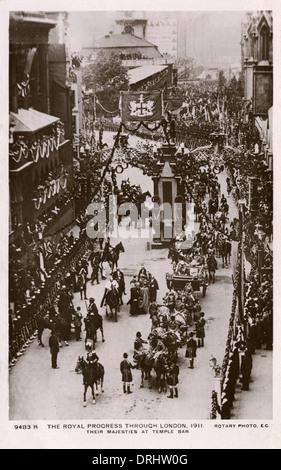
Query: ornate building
point(40, 148)
point(257, 66)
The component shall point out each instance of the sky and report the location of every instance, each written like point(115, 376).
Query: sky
point(219, 31)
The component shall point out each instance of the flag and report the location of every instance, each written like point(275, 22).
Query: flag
point(141, 106)
point(47, 248)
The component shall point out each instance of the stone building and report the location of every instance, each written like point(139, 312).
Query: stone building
point(40, 147)
point(40, 144)
point(257, 66)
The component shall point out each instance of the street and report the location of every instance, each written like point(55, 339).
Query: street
point(39, 392)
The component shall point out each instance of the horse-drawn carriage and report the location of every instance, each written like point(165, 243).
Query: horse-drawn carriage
point(196, 275)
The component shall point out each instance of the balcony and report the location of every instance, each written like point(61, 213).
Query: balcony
point(33, 135)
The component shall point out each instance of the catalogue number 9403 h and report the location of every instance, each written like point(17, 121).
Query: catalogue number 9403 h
point(25, 427)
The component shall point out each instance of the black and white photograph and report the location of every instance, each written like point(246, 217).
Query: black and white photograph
point(137, 225)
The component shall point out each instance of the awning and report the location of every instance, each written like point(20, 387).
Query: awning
point(30, 120)
point(141, 73)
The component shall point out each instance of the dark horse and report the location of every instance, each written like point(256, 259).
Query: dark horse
point(212, 266)
point(92, 325)
point(145, 363)
point(160, 366)
point(112, 256)
point(111, 299)
point(158, 362)
point(225, 251)
point(93, 375)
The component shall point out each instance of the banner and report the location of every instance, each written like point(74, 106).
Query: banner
point(141, 106)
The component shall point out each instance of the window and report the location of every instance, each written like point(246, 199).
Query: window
point(264, 43)
point(129, 29)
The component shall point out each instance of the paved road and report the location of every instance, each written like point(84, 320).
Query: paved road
point(38, 392)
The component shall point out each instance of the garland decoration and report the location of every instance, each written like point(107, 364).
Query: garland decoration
point(38, 146)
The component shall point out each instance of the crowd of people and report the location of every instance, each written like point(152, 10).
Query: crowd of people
point(143, 291)
point(44, 298)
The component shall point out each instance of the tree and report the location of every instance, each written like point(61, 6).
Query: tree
point(234, 94)
point(106, 76)
point(185, 66)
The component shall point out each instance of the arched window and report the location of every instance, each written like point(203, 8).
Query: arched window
point(264, 43)
point(129, 29)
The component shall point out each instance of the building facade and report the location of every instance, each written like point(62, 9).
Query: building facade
point(40, 147)
point(257, 65)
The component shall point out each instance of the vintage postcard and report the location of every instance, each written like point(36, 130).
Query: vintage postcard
point(139, 229)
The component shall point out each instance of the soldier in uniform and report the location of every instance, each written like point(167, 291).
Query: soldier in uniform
point(127, 378)
point(138, 346)
point(190, 353)
point(92, 308)
point(173, 378)
point(246, 369)
point(200, 330)
point(54, 349)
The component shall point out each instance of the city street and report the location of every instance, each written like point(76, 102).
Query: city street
point(39, 392)
point(140, 141)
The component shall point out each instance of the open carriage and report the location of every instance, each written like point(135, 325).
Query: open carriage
point(197, 276)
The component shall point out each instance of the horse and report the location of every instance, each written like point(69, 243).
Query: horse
point(225, 251)
point(92, 325)
point(160, 366)
point(98, 325)
point(212, 266)
point(112, 256)
point(112, 300)
point(171, 341)
point(93, 375)
point(144, 363)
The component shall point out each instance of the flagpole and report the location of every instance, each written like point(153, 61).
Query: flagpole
point(41, 258)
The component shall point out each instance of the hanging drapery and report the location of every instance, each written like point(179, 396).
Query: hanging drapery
point(35, 147)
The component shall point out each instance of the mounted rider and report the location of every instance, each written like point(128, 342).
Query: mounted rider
point(92, 308)
point(139, 350)
point(108, 249)
point(118, 276)
point(110, 285)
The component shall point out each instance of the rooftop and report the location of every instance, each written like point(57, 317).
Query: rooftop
point(121, 40)
point(141, 73)
point(30, 120)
